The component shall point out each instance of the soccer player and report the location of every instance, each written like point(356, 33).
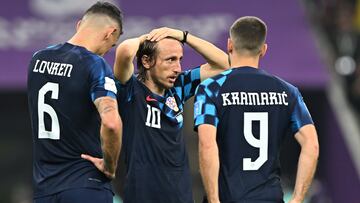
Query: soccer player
point(73, 108)
point(242, 116)
point(151, 105)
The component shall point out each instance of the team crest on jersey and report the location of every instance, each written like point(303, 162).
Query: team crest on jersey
point(171, 103)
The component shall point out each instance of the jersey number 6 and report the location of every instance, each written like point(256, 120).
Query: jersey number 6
point(43, 108)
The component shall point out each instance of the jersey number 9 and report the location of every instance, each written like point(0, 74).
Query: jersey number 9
point(261, 143)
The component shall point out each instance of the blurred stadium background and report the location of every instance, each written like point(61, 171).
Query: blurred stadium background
point(313, 44)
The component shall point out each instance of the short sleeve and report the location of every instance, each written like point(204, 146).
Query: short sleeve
point(125, 91)
point(187, 83)
point(204, 109)
point(300, 115)
point(102, 80)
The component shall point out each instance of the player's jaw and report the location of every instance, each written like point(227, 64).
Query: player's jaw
point(172, 78)
point(168, 81)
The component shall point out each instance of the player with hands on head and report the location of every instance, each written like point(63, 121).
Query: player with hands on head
point(151, 105)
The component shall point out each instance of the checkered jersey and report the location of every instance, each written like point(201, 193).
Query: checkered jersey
point(153, 144)
point(253, 112)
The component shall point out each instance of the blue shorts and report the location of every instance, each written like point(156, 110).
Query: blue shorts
point(78, 195)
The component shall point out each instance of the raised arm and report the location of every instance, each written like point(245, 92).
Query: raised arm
point(124, 57)
point(308, 140)
point(110, 136)
point(217, 60)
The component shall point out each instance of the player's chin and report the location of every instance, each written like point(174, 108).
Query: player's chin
point(169, 85)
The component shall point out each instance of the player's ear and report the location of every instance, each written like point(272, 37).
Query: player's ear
point(230, 46)
point(146, 61)
point(110, 31)
point(263, 50)
point(78, 25)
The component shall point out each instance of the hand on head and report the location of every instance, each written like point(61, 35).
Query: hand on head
point(163, 32)
point(143, 37)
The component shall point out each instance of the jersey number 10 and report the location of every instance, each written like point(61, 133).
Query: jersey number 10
point(261, 143)
point(153, 117)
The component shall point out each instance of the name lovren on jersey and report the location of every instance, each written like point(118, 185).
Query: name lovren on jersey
point(53, 68)
point(254, 98)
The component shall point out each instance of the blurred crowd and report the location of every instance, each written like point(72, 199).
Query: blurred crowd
point(339, 21)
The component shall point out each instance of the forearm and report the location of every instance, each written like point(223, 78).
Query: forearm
point(110, 132)
point(111, 146)
point(214, 56)
point(124, 57)
point(209, 169)
point(305, 172)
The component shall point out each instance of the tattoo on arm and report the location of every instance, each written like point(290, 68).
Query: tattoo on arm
point(105, 104)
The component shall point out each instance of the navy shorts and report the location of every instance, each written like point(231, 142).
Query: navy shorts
point(78, 195)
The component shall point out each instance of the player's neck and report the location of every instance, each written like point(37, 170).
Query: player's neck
point(86, 42)
point(153, 87)
point(240, 61)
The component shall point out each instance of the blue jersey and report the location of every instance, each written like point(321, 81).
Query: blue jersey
point(63, 82)
point(253, 112)
point(155, 154)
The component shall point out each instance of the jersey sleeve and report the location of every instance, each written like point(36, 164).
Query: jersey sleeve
point(204, 108)
point(300, 115)
point(102, 80)
point(125, 91)
point(187, 83)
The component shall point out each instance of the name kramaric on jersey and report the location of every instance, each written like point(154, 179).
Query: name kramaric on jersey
point(53, 68)
point(254, 98)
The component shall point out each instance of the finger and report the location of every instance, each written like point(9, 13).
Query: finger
point(152, 33)
point(88, 157)
point(162, 36)
point(153, 37)
point(143, 37)
point(156, 36)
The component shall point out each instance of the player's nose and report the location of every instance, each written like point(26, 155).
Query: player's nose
point(177, 67)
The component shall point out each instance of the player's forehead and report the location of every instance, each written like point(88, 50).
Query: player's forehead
point(169, 46)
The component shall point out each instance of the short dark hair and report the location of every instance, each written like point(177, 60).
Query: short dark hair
point(107, 9)
point(147, 48)
point(248, 34)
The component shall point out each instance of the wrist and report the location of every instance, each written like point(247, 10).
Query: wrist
point(184, 38)
point(297, 199)
point(213, 199)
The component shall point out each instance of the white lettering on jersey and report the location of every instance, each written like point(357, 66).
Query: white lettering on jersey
point(53, 68)
point(254, 98)
point(153, 117)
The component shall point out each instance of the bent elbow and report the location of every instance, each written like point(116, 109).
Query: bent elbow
point(125, 51)
point(114, 125)
point(313, 150)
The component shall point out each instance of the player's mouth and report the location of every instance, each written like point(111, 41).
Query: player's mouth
point(172, 79)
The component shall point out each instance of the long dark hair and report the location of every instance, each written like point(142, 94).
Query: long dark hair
point(149, 49)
